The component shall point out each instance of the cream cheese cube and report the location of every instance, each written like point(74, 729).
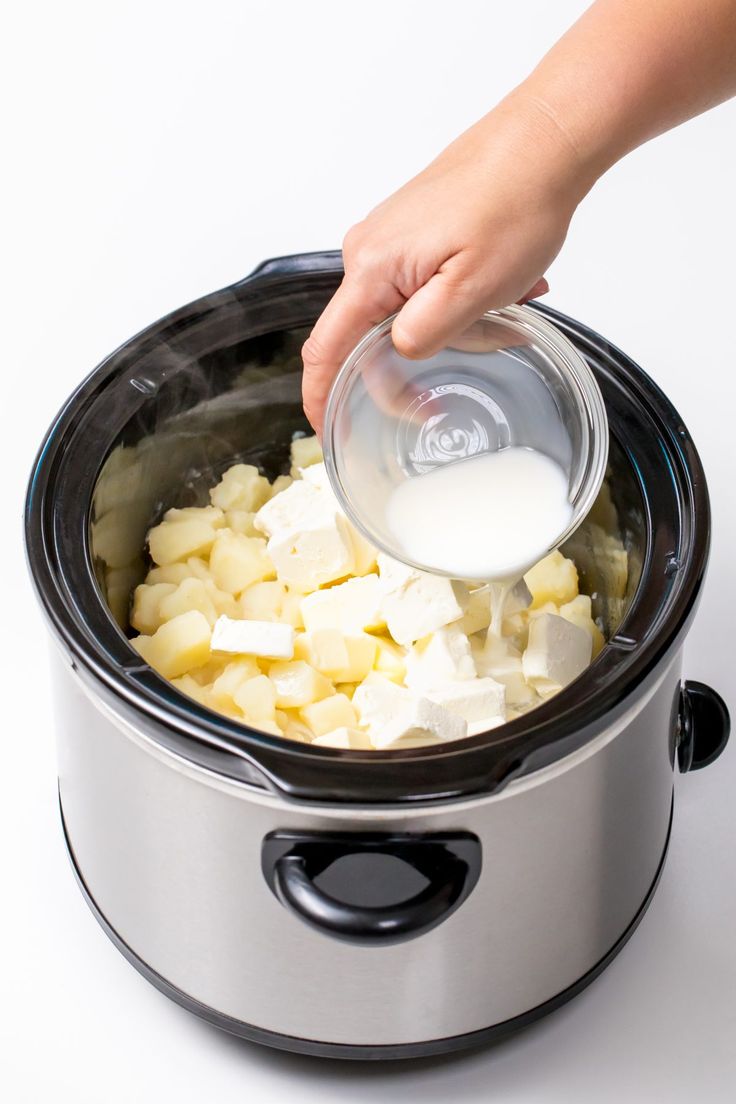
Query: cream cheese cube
point(476, 611)
point(557, 652)
point(347, 739)
point(364, 552)
point(258, 638)
point(480, 700)
point(377, 700)
point(351, 607)
point(309, 540)
point(415, 603)
point(443, 657)
point(419, 720)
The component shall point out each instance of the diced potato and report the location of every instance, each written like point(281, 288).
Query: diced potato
point(237, 561)
point(553, 579)
point(298, 684)
point(580, 612)
point(304, 451)
point(212, 670)
point(293, 727)
point(231, 679)
point(390, 659)
point(347, 739)
point(242, 487)
point(178, 540)
point(179, 645)
point(323, 649)
point(241, 521)
point(280, 483)
point(198, 568)
point(211, 514)
point(346, 688)
point(291, 609)
point(192, 689)
point(262, 601)
point(352, 606)
point(333, 712)
point(361, 657)
point(146, 615)
point(192, 594)
point(174, 573)
point(224, 603)
point(257, 698)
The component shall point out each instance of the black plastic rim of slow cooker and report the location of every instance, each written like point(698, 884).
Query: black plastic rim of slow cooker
point(663, 450)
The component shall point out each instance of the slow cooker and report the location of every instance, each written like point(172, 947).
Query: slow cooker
point(343, 903)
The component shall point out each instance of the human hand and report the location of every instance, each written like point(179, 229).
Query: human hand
point(474, 231)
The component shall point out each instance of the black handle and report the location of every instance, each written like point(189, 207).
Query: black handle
point(370, 905)
point(294, 265)
point(704, 726)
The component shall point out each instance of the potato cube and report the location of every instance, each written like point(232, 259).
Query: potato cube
point(198, 569)
point(580, 613)
point(205, 676)
point(179, 645)
point(237, 561)
point(241, 521)
point(553, 579)
point(304, 451)
point(189, 686)
point(280, 483)
point(225, 604)
point(192, 594)
point(323, 649)
point(361, 657)
point(211, 514)
point(257, 699)
point(242, 487)
point(291, 609)
point(233, 676)
point(262, 601)
point(174, 573)
point(146, 616)
point(333, 712)
point(177, 540)
point(293, 727)
point(390, 659)
point(347, 739)
point(298, 684)
point(352, 606)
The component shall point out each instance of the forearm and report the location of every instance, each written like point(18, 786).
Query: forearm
point(629, 70)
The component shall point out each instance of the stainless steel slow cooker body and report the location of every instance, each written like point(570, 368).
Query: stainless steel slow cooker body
point(339, 903)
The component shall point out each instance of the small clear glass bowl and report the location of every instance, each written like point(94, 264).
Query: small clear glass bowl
point(510, 379)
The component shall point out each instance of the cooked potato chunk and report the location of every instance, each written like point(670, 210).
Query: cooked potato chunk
point(146, 614)
point(333, 712)
point(237, 561)
point(179, 645)
point(242, 487)
point(553, 579)
point(298, 684)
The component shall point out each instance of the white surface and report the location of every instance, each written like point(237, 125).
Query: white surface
point(154, 151)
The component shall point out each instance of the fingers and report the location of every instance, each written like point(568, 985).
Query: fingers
point(356, 306)
point(440, 310)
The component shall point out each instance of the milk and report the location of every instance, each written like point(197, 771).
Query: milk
point(490, 517)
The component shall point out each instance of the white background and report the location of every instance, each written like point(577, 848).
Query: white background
point(154, 151)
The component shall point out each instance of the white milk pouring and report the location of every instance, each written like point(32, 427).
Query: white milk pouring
point(489, 517)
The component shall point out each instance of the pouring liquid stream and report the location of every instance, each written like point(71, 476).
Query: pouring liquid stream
point(488, 518)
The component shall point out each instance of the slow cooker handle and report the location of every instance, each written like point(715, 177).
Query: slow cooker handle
point(296, 264)
point(292, 861)
point(704, 726)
